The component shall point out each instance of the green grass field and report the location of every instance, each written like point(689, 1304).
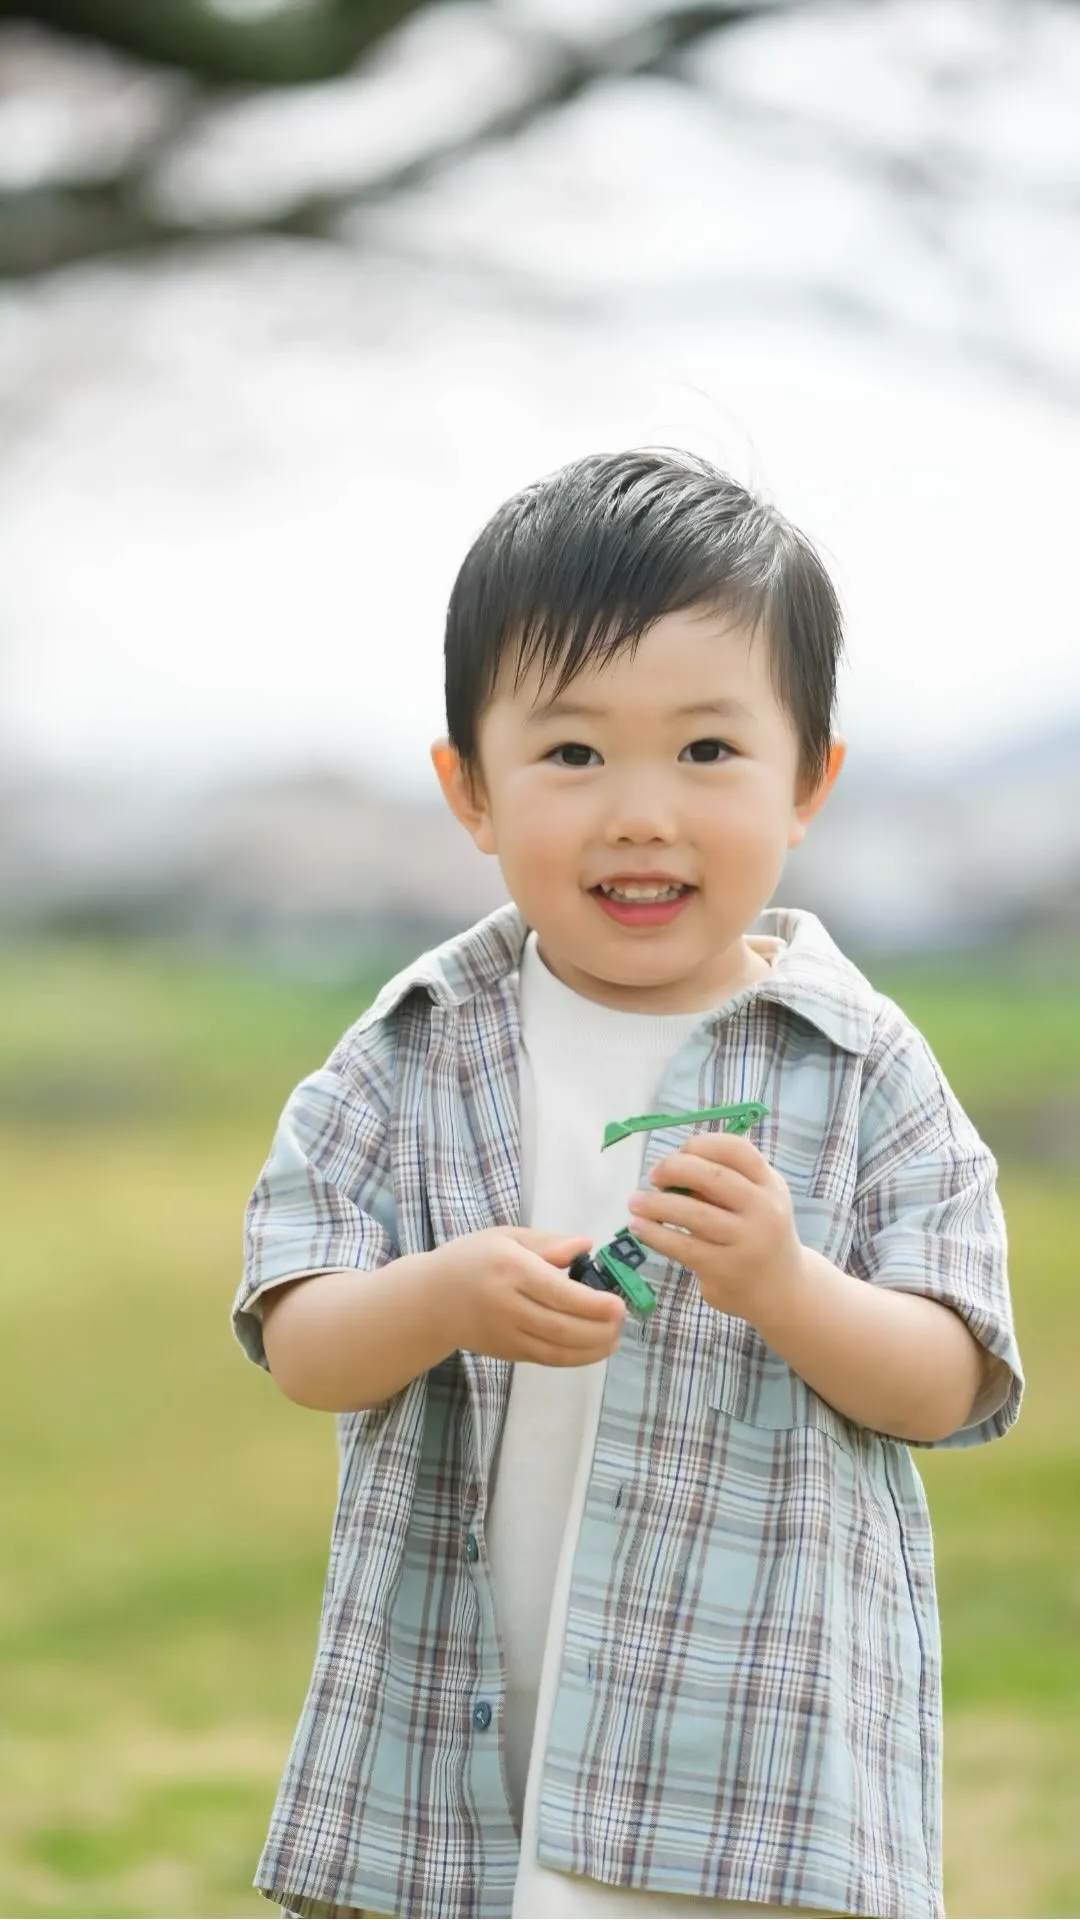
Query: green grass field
point(164, 1512)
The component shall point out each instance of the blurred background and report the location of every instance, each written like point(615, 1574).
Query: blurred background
point(291, 297)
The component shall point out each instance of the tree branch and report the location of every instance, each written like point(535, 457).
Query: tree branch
point(298, 46)
point(58, 226)
point(125, 216)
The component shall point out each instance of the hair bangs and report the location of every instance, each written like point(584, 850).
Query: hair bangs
point(577, 567)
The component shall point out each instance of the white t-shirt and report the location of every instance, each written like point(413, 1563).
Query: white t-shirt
point(582, 1064)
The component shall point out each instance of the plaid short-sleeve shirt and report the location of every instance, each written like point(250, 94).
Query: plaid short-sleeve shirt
point(748, 1704)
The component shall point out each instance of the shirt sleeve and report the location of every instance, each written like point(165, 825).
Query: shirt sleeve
point(927, 1215)
point(323, 1200)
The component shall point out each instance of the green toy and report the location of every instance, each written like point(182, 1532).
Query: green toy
point(613, 1267)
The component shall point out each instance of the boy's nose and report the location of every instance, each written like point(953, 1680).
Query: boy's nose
point(641, 819)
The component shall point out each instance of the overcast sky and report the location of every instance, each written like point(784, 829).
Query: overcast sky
point(233, 495)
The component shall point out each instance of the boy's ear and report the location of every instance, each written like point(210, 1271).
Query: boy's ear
point(463, 791)
point(813, 801)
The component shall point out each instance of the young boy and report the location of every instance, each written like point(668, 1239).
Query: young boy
point(629, 1617)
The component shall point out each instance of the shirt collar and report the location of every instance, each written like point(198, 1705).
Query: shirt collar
point(816, 981)
point(810, 976)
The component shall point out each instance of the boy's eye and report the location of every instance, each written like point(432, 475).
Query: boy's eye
point(573, 753)
point(704, 752)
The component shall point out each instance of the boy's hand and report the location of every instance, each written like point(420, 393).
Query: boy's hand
point(740, 1241)
point(506, 1297)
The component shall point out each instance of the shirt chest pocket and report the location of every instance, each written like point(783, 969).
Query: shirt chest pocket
point(751, 1383)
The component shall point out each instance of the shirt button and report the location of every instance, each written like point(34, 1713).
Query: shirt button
point(472, 1551)
point(481, 1714)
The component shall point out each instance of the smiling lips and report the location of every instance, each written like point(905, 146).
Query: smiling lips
point(642, 900)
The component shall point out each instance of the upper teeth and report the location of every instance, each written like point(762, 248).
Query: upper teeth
point(640, 890)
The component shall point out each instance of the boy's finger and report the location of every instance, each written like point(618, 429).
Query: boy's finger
point(724, 1150)
point(710, 1179)
point(557, 1248)
point(708, 1191)
point(577, 1341)
point(548, 1288)
point(670, 1243)
point(573, 1343)
point(543, 1354)
point(705, 1219)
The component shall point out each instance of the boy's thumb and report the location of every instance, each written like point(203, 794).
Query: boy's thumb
point(558, 1248)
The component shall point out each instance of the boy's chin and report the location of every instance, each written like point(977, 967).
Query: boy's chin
point(636, 970)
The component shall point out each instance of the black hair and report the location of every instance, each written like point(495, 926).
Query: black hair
point(580, 564)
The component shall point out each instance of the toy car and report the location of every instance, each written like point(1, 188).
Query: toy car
point(613, 1267)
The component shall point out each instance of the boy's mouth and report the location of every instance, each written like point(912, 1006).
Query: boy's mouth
point(642, 903)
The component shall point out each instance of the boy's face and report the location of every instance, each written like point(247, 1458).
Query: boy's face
point(642, 820)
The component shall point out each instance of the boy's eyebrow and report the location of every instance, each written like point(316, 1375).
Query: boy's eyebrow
point(561, 708)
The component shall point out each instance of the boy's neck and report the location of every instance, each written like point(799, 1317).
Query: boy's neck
point(751, 962)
